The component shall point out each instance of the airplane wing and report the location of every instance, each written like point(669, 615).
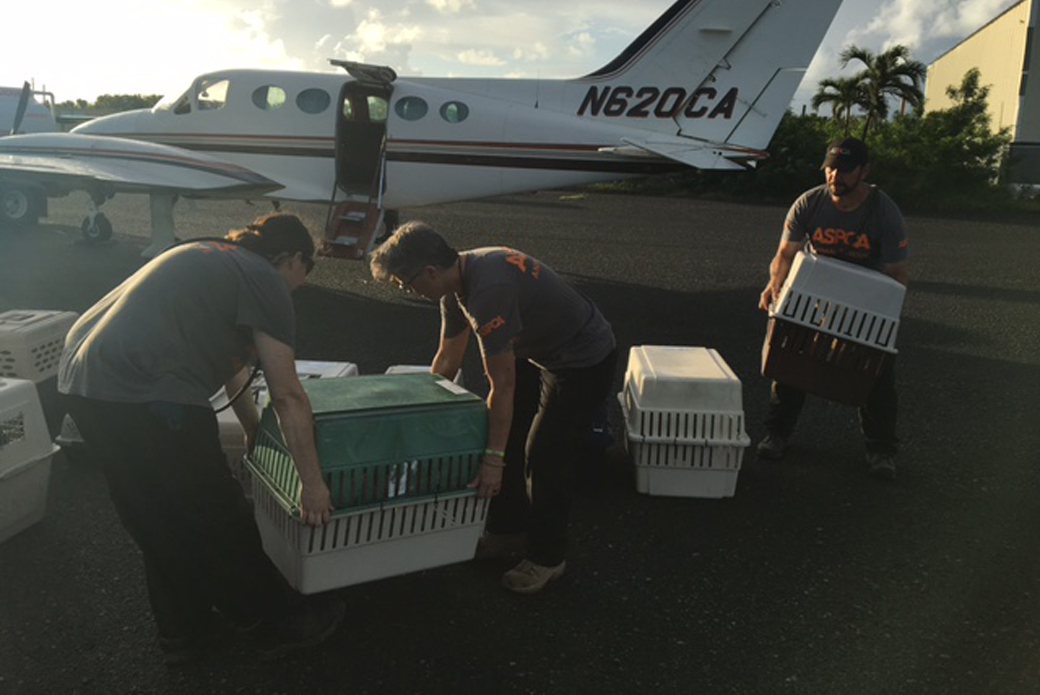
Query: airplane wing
point(67, 162)
point(693, 152)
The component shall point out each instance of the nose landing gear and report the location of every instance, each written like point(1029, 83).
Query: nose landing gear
point(96, 228)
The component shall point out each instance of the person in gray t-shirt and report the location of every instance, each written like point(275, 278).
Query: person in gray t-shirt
point(138, 370)
point(549, 356)
point(851, 220)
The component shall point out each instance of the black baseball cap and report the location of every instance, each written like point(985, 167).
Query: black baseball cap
point(846, 155)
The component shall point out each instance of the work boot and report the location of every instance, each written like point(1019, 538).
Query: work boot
point(528, 577)
point(773, 446)
point(493, 546)
point(881, 466)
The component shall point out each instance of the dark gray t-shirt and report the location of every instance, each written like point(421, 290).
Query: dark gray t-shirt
point(511, 299)
point(872, 235)
point(178, 328)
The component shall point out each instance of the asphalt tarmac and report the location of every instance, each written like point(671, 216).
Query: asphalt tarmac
point(813, 578)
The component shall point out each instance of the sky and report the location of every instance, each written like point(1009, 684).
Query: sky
point(79, 50)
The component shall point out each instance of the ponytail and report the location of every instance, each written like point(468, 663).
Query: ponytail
point(275, 236)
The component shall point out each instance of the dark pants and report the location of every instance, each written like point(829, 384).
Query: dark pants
point(877, 417)
point(552, 411)
point(173, 491)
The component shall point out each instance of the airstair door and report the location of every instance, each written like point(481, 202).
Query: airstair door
point(355, 220)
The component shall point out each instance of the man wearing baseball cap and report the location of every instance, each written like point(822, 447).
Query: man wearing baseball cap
point(854, 221)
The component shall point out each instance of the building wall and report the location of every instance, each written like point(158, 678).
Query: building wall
point(997, 50)
point(1029, 109)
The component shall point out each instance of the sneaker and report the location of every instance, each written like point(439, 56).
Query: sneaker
point(308, 624)
point(493, 546)
point(527, 577)
point(881, 466)
point(773, 446)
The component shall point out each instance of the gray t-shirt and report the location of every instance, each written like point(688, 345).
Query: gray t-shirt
point(872, 235)
point(178, 328)
point(511, 299)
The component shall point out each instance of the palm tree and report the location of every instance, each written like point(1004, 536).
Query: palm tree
point(842, 93)
point(885, 74)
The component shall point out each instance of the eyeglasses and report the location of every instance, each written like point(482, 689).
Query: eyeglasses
point(406, 285)
point(309, 262)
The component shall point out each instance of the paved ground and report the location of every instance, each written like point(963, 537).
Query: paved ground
point(812, 579)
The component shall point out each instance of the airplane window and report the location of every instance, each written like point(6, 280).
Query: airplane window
point(212, 95)
point(377, 108)
point(348, 110)
point(313, 100)
point(454, 112)
point(411, 108)
point(269, 98)
point(176, 101)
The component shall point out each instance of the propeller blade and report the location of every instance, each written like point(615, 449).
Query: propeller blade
point(23, 104)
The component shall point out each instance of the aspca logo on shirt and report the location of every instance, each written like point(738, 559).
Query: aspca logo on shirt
point(835, 237)
point(490, 326)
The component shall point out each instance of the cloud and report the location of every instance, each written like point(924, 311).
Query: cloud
point(537, 51)
point(475, 57)
point(377, 41)
point(582, 44)
point(916, 23)
point(450, 6)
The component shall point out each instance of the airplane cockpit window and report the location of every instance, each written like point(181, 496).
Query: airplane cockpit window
point(313, 100)
point(377, 109)
point(411, 108)
point(183, 105)
point(178, 102)
point(211, 94)
point(454, 112)
point(268, 98)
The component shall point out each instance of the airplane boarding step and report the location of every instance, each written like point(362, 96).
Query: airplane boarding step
point(351, 229)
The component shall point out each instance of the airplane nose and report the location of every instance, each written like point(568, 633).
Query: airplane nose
point(116, 123)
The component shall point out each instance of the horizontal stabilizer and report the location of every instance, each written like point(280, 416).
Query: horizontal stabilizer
point(695, 153)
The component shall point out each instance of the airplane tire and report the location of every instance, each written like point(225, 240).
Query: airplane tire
point(98, 231)
point(19, 207)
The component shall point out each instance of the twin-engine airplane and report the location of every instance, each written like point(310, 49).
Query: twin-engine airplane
point(704, 86)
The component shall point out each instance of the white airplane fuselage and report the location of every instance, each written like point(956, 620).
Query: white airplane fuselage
point(514, 136)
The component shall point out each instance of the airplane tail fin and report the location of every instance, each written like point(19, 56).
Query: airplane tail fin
point(715, 71)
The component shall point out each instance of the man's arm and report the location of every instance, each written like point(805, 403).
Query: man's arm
point(501, 372)
point(243, 406)
point(779, 267)
point(297, 422)
point(450, 352)
point(900, 272)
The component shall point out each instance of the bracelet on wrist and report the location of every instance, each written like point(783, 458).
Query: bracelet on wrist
point(495, 452)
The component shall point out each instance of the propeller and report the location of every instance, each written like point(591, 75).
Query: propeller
point(23, 103)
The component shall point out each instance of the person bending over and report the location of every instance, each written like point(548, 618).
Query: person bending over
point(549, 356)
point(139, 368)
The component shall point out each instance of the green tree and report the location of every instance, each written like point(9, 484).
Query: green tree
point(890, 73)
point(113, 103)
point(946, 159)
point(842, 94)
